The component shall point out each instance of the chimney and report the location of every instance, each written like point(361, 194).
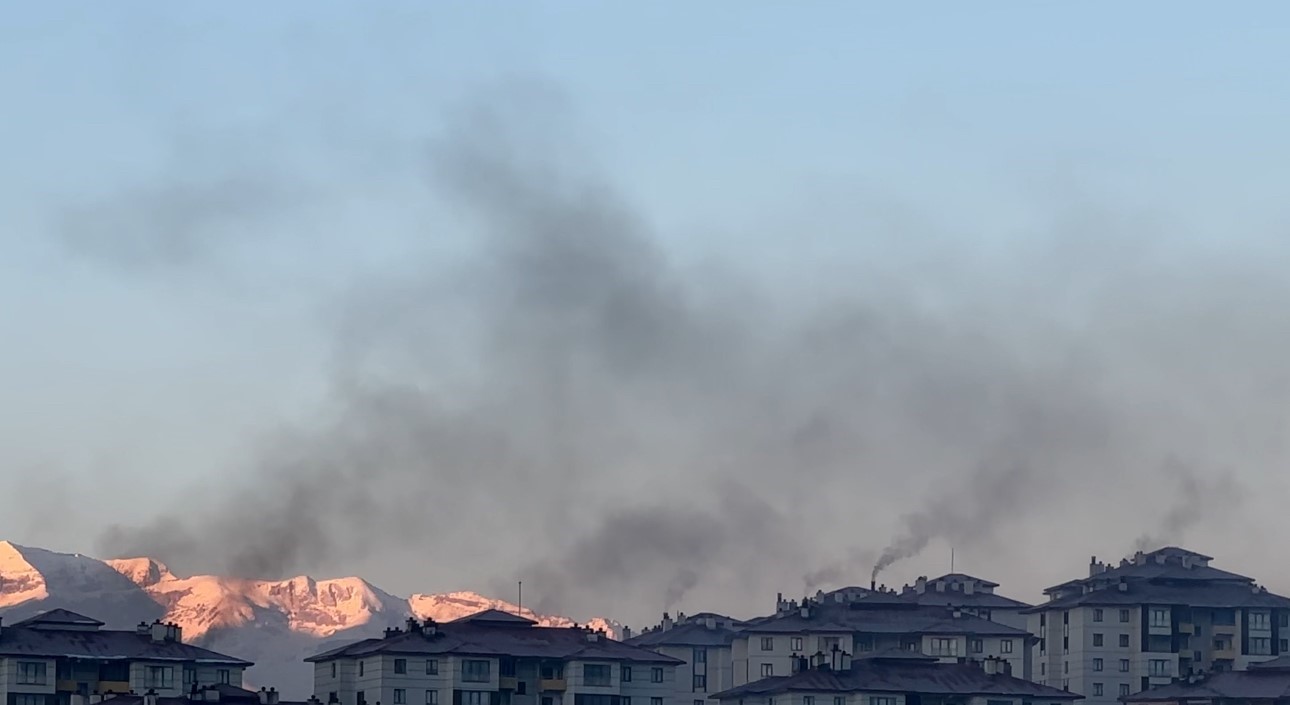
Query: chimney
point(143, 629)
point(627, 633)
point(667, 621)
point(392, 632)
point(593, 637)
point(710, 622)
point(1140, 558)
point(920, 585)
point(940, 586)
point(414, 627)
point(969, 587)
point(429, 627)
point(174, 632)
point(273, 696)
point(150, 697)
point(873, 585)
point(159, 632)
point(95, 698)
point(210, 694)
point(1122, 587)
point(990, 665)
point(77, 699)
point(806, 610)
point(1092, 566)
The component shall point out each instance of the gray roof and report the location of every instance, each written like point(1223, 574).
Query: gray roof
point(62, 633)
point(885, 617)
point(1221, 595)
point(902, 675)
point(489, 634)
point(1269, 680)
point(687, 634)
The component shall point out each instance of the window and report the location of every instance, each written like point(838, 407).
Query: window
point(626, 675)
point(1097, 615)
point(222, 675)
point(475, 671)
point(333, 669)
point(656, 701)
point(1285, 645)
point(333, 697)
point(1124, 640)
point(1097, 640)
point(595, 674)
point(1043, 646)
point(700, 655)
point(31, 673)
point(767, 670)
point(400, 696)
point(656, 675)
point(160, 677)
point(839, 700)
point(1158, 667)
point(1260, 646)
point(1124, 665)
point(190, 674)
point(1197, 630)
point(361, 697)
point(768, 643)
point(622, 700)
point(944, 647)
point(1066, 645)
point(432, 667)
point(1124, 615)
point(360, 667)
point(400, 666)
point(1097, 690)
point(795, 643)
point(475, 697)
point(1124, 689)
point(1226, 618)
point(978, 646)
point(700, 682)
point(1097, 664)
point(1005, 646)
point(1041, 668)
point(696, 702)
point(830, 643)
point(1066, 684)
point(1066, 617)
point(881, 700)
point(27, 699)
point(1066, 667)
point(432, 697)
point(808, 700)
point(1159, 616)
point(1259, 621)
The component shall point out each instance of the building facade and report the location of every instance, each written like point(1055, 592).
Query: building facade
point(493, 658)
point(703, 643)
point(865, 622)
point(59, 656)
point(1151, 619)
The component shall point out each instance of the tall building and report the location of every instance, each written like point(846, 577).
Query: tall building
point(972, 595)
point(1154, 617)
point(896, 678)
point(59, 657)
point(493, 658)
point(703, 643)
point(856, 622)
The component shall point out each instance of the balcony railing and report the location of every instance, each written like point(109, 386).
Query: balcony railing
point(558, 684)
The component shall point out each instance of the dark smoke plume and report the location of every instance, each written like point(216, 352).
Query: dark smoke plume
point(1195, 499)
point(571, 404)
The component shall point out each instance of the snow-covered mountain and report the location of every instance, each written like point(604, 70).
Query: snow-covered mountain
point(274, 623)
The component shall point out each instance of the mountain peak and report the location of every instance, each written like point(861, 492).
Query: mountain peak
point(143, 572)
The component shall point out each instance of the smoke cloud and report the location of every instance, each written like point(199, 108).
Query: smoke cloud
point(573, 404)
point(1196, 499)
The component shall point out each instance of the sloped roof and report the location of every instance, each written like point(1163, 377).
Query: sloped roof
point(964, 577)
point(58, 616)
point(498, 637)
point(1271, 684)
point(1220, 595)
point(39, 636)
point(493, 616)
point(687, 634)
point(907, 617)
point(901, 676)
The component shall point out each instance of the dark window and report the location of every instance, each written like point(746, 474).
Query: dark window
point(432, 667)
point(1097, 664)
point(223, 676)
point(31, 673)
point(1097, 689)
point(506, 666)
point(795, 643)
point(1124, 665)
point(1124, 615)
point(700, 682)
point(1097, 640)
point(595, 674)
point(1097, 615)
point(475, 671)
point(432, 697)
point(768, 643)
point(978, 646)
point(1124, 640)
point(700, 655)
point(160, 677)
point(333, 669)
point(1124, 689)
point(627, 674)
point(656, 675)
point(400, 696)
point(333, 697)
point(360, 667)
point(400, 666)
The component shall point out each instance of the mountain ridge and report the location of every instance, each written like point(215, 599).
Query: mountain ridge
point(275, 623)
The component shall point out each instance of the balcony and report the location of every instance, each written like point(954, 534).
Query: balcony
point(118, 687)
point(553, 684)
point(508, 683)
point(1186, 628)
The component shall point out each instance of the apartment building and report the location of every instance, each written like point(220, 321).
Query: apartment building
point(703, 643)
point(896, 678)
point(971, 595)
point(493, 658)
point(1264, 683)
point(60, 657)
point(1155, 617)
point(858, 622)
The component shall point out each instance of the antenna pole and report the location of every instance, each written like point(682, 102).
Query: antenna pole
point(520, 600)
point(951, 559)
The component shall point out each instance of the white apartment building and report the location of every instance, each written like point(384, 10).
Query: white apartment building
point(865, 622)
point(897, 678)
point(1154, 617)
point(493, 658)
point(59, 657)
point(703, 643)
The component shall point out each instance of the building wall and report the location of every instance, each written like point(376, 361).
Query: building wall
point(10, 676)
point(717, 668)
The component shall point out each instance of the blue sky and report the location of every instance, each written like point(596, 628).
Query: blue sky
point(750, 132)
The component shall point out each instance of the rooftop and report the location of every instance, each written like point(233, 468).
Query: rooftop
point(62, 633)
point(902, 673)
point(889, 614)
point(496, 633)
point(1269, 680)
